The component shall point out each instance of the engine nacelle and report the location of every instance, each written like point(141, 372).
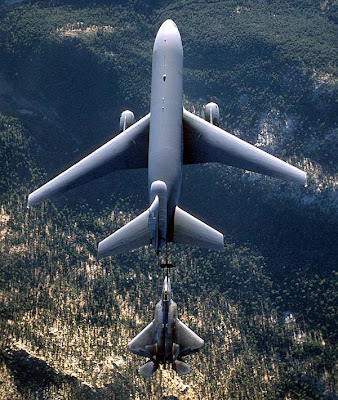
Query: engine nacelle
point(211, 113)
point(126, 120)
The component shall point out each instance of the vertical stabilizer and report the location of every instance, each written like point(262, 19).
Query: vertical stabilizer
point(153, 222)
point(158, 214)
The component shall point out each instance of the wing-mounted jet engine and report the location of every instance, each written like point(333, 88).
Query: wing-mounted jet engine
point(166, 339)
point(126, 120)
point(211, 113)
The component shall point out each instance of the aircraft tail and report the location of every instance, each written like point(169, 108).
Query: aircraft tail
point(181, 368)
point(191, 231)
point(139, 232)
point(148, 368)
point(131, 236)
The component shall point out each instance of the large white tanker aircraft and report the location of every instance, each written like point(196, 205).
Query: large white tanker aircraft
point(163, 141)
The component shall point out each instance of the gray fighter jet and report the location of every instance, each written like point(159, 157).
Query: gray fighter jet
point(163, 141)
point(166, 339)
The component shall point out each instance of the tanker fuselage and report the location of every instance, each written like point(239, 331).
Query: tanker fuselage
point(165, 133)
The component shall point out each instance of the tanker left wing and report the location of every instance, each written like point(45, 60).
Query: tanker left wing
point(127, 150)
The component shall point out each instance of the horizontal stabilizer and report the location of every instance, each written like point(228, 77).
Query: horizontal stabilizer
point(204, 143)
point(127, 150)
point(131, 236)
point(147, 369)
point(139, 232)
point(191, 231)
point(181, 368)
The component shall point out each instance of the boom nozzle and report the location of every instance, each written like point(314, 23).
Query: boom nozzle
point(167, 265)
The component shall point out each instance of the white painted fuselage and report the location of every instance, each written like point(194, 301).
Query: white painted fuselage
point(165, 133)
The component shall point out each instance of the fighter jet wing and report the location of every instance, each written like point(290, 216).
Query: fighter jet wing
point(129, 149)
point(144, 339)
point(204, 142)
point(188, 341)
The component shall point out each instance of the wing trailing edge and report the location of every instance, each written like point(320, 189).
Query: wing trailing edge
point(204, 143)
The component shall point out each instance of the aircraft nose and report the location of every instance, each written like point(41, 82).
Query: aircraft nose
point(169, 34)
point(168, 25)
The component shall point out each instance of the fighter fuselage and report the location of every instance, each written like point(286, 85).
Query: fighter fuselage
point(165, 319)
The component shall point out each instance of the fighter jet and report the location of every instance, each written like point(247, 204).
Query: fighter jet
point(166, 339)
point(163, 141)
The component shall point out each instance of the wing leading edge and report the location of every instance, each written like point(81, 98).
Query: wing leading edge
point(129, 149)
point(204, 142)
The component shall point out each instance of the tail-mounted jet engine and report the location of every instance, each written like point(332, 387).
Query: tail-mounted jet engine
point(126, 120)
point(211, 113)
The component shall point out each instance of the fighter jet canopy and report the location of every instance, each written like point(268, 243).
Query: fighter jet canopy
point(166, 291)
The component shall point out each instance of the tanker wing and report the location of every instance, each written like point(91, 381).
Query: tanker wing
point(127, 150)
point(205, 142)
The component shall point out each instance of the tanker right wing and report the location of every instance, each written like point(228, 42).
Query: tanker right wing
point(205, 142)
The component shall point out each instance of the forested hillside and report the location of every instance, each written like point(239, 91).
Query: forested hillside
point(266, 306)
